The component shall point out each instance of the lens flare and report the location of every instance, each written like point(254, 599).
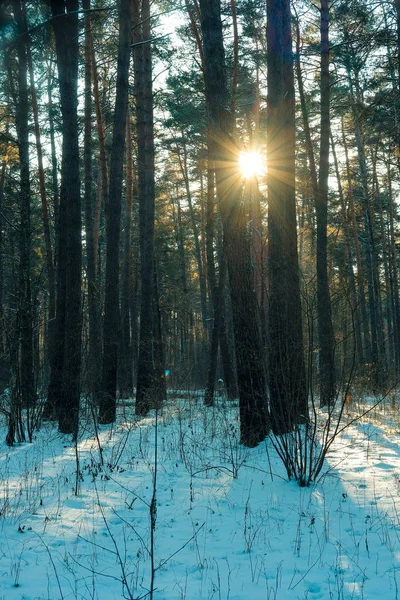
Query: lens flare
point(251, 164)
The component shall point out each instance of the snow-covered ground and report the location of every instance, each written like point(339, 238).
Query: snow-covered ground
point(229, 526)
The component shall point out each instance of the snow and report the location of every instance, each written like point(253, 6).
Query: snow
point(229, 526)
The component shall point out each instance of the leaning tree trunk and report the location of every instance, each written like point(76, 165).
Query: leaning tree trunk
point(287, 379)
point(254, 418)
point(108, 396)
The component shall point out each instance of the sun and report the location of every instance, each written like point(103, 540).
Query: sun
point(251, 164)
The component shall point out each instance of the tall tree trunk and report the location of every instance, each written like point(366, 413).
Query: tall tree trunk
point(4, 362)
point(287, 380)
point(103, 187)
point(64, 387)
point(94, 357)
point(397, 8)
point(54, 175)
point(349, 263)
point(326, 335)
point(25, 309)
point(304, 114)
point(147, 376)
point(360, 268)
point(43, 198)
point(235, 74)
point(107, 409)
point(393, 268)
point(126, 362)
point(254, 418)
point(377, 350)
point(202, 280)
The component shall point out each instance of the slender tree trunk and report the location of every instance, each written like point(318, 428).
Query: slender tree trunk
point(100, 128)
point(107, 409)
point(4, 366)
point(235, 74)
point(397, 8)
point(43, 198)
point(360, 269)
point(326, 335)
point(215, 337)
point(254, 417)
point(377, 351)
point(94, 357)
point(126, 362)
point(393, 268)
point(54, 175)
point(256, 239)
point(25, 309)
point(304, 114)
point(220, 327)
point(287, 380)
point(160, 383)
point(349, 263)
point(149, 374)
point(203, 287)
point(389, 359)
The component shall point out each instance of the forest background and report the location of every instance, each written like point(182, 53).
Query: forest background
point(197, 194)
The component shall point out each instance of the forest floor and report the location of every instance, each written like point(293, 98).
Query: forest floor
point(228, 524)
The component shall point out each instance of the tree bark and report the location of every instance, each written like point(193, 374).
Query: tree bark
point(377, 345)
point(64, 385)
point(326, 335)
point(360, 269)
point(126, 362)
point(94, 356)
point(287, 380)
point(254, 418)
point(147, 388)
point(111, 328)
point(202, 280)
point(24, 317)
point(349, 263)
point(44, 204)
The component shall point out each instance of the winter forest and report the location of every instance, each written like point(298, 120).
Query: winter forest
point(199, 299)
